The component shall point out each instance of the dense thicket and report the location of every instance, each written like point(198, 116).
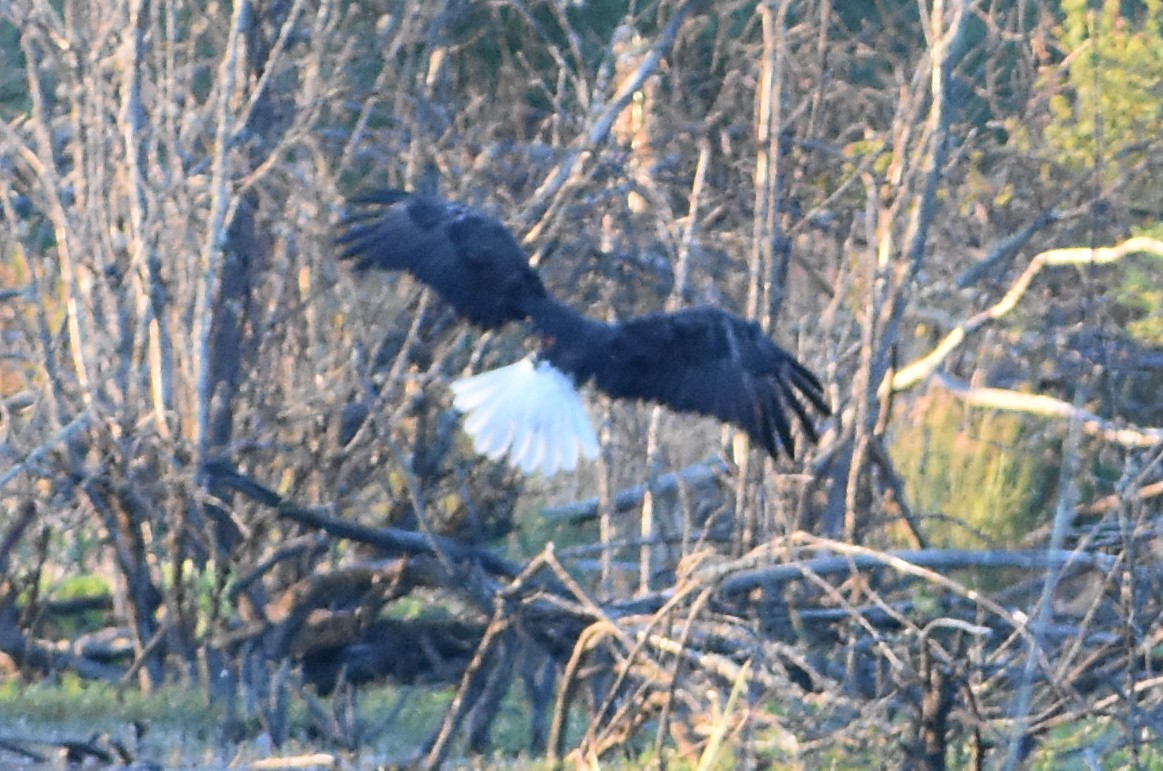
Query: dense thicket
point(946, 209)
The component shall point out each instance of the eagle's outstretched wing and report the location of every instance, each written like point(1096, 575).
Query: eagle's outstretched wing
point(468, 257)
point(700, 360)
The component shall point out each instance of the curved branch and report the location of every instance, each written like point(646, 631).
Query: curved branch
point(914, 373)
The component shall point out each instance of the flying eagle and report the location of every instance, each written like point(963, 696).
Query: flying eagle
point(700, 360)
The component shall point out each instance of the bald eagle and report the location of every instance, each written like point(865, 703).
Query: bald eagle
point(701, 360)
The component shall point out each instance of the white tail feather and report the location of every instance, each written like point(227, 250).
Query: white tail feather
point(582, 431)
point(530, 413)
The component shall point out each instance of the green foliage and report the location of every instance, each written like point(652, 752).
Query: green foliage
point(1111, 100)
point(70, 587)
point(75, 587)
point(85, 585)
point(1140, 295)
point(1077, 744)
point(977, 466)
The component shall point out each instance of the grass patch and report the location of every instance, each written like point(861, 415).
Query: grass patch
point(980, 467)
point(91, 703)
point(184, 729)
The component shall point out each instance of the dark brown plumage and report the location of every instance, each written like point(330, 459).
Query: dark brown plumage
point(701, 360)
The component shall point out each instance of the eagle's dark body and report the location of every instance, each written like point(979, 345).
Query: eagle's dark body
point(700, 360)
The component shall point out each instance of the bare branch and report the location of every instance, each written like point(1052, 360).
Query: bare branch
point(1048, 406)
point(920, 369)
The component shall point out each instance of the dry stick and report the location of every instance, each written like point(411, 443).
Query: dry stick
point(1081, 641)
point(657, 673)
point(37, 455)
point(768, 96)
point(822, 285)
point(1131, 612)
point(1108, 502)
point(580, 65)
point(147, 650)
point(682, 271)
point(625, 500)
point(310, 760)
point(973, 705)
point(12, 537)
point(723, 720)
point(543, 203)
point(145, 264)
point(11, 745)
point(270, 66)
point(882, 460)
point(684, 639)
point(301, 127)
point(394, 376)
point(602, 736)
point(842, 500)
point(151, 316)
point(1109, 701)
point(907, 563)
point(632, 713)
point(997, 662)
point(647, 528)
point(715, 663)
point(1063, 513)
point(47, 657)
point(604, 503)
point(568, 689)
point(706, 588)
point(1038, 404)
point(937, 700)
point(738, 577)
point(582, 596)
point(920, 369)
point(555, 53)
point(461, 702)
point(53, 189)
point(414, 497)
point(1007, 247)
point(877, 638)
point(1062, 684)
point(603, 625)
point(387, 538)
point(292, 549)
point(767, 91)
point(917, 194)
point(222, 205)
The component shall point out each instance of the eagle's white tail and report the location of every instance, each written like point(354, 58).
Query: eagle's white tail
point(530, 412)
